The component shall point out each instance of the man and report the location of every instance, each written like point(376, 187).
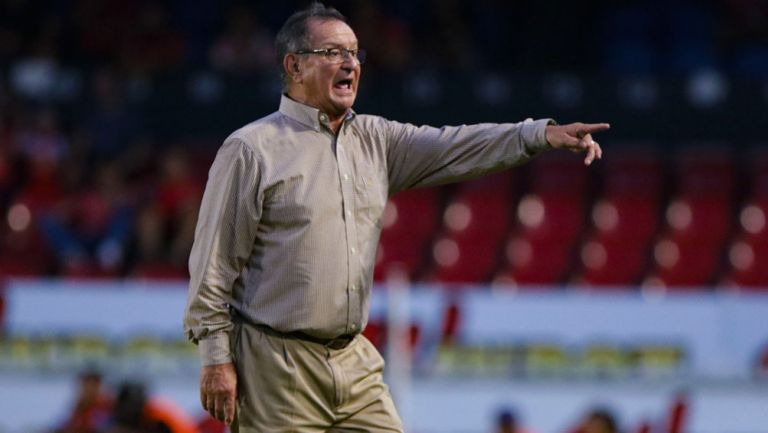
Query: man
point(282, 263)
point(92, 408)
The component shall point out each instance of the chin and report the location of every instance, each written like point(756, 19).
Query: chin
point(344, 104)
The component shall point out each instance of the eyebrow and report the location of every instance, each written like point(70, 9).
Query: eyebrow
point(338, 45)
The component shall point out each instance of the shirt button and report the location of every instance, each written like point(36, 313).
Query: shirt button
point(353, 250)
point(346, 176)
point(349, 213)
point(353, 287)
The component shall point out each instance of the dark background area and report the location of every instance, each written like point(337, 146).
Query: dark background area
point(111, 111)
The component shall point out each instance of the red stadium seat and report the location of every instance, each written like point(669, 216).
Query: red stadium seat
point(634, 171)
point(559, 173)
point(703, 219)
point(615, 253)
point(615, 263)
point(757, 165)
point(698, 219)
point(549, 223)
point(753, 219)
point(475, 224)
point(706, 172)
point(463, 261)
point(684, 264)
point(747, 261)
point(24, 253)
point(626, 218)
point(409, 224)
point(533, 262)
point(547, 217)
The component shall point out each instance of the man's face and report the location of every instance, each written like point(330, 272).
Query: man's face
point(328, 86)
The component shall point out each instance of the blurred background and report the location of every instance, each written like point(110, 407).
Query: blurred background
point(628, 297)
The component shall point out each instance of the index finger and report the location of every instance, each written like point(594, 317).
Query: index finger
point(590, 128)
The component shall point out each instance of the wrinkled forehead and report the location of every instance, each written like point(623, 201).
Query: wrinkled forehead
point(331, 33)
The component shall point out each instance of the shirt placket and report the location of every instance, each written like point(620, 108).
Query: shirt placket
point(354, 313)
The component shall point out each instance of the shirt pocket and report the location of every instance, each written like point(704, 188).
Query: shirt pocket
point(370, 194)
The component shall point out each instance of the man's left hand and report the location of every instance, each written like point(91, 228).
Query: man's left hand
point(577, 137)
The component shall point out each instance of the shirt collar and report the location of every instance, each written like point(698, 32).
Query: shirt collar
point(307, 115)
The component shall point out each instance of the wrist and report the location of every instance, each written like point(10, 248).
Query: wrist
point(215, 350)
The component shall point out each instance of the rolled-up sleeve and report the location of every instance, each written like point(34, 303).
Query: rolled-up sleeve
point(426, 156)
point(224, 237)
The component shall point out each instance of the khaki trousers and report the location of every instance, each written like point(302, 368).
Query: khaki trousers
point(287, 385)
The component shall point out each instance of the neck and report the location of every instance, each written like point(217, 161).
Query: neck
point(334, 119)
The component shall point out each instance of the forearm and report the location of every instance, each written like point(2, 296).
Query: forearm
point(425, 156)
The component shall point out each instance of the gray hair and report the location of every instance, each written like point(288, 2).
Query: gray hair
point(294, 35)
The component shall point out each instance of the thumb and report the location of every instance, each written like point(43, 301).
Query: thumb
point(568, 140)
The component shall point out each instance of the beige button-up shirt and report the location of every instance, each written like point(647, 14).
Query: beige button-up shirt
point(291, 216)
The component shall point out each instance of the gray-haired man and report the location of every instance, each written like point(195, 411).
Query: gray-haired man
point(282, 264)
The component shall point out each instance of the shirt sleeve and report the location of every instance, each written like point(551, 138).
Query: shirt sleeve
point(426, 156)
point(226, 230)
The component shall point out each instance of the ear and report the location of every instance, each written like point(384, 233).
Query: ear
point(292, 67)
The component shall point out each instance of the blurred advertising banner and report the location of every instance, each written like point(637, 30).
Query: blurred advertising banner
point(135, 328)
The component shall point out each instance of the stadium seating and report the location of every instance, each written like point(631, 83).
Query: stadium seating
point(748, 251)
point(549, 221)
point(408, 225)
point(624, 220)
point(697, 219)
point(692, 218)
point(475, 222)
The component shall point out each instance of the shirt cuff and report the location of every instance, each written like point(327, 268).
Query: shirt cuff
point(534, 134)
point(215, 349)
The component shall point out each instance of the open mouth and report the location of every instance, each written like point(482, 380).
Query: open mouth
point(345, 84)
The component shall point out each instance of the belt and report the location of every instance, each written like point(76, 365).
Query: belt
point(336, 343)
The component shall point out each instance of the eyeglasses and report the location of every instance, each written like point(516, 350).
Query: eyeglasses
point(337, 55)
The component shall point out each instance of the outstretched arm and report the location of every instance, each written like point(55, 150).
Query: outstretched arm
point(427, 156)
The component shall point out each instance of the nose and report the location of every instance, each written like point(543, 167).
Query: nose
point(349, 64)
point(348, 59)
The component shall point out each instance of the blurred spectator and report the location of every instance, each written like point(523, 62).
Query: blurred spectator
point(508, 422)
point(110, 125)
point(92, 408)
point(10, 178)
point(166, 224)
point(678, 413)
point(761, 366)
point(2, 311)
point(134, 412)
point(179, 195)
point(84, 83)
point(92, 224)
point(151, 46)
point(449, 42)
point(599, 420)
point(745, 36)
point(245, 47)
point(129, 412)
point(16, 21)
point(100, 27)
point(388, 37)
point(36, 74)
point(42, 145)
